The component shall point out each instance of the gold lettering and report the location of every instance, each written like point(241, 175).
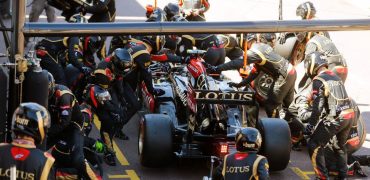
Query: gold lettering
point(31, 176)
point(247, 97)
point(197, 93)
point(22, 121)
point(7, 173)
point(213, 97)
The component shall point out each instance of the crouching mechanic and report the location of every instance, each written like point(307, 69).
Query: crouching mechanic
point(263, 58)
point(336, 61)
point(332, 115)
point(109, 74)
point(245, 163)
point(65, 135)
point(29, 124)
point(300, 111)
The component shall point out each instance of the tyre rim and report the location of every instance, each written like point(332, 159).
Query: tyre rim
point(264, 84)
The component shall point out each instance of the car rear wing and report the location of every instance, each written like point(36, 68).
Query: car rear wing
point(225, 97)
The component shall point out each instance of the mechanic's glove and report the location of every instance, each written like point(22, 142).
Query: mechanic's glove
point(158, 92)
point(232, 84)
point(282, 38)
point(309, 129)
point(99, 147)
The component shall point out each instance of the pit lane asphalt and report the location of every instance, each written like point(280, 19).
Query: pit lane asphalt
point(353, 45)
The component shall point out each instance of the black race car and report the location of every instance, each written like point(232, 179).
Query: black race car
point(199, 115)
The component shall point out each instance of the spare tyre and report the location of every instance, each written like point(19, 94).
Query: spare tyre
point(276, 142)
point(155, 140)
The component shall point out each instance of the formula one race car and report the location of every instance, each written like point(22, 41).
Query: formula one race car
point(199, 115)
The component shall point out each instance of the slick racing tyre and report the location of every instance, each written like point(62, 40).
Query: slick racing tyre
point(276, 142)
point(352, 147)
point(155, 140)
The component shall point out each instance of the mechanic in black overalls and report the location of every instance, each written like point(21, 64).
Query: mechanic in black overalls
point(336, 61)
point(232, 47)
point(65, 134)
point(194, 10)
point(30, 122)
point(245, 163)
point(102, 11)
point(264, 58)
point(55, 53)
point(215, 54)
point(108, 78)
point(332, 115)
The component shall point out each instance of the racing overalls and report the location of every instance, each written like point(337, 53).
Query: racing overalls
point(336, 61)
point(109, 115)
point(64, 110)
point(117, 89)
point(231, 45)
point(265, 59)
point(118, 42)
point(333, 115)
point(188, 5)
point(215, 54)
point(30, 162)
point(243, 165)
point(102, 11)
point(56, 53)
point(69, 152)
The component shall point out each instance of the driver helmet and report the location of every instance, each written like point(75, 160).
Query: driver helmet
point(31, 119)
point(248, 139)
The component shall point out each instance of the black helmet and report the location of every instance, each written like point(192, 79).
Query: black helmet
point(171, 10)
point(122, 60)
point(51, 84)
point(313, 62)
point(267, 37)
point(156, 42)
point(77, 18)
point(31, 119)
point(248, 139)
point(92, 43)
point(306, 10)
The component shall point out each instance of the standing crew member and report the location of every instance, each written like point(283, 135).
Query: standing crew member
point(332, 115)
point(29, 124)
point(245, 163)
point(194, 9)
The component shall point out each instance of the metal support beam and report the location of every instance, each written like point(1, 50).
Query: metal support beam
point(136, 28)
point(17, 47)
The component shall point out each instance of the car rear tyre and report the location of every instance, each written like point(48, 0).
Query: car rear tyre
point(276, 143)
point(155, 140)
